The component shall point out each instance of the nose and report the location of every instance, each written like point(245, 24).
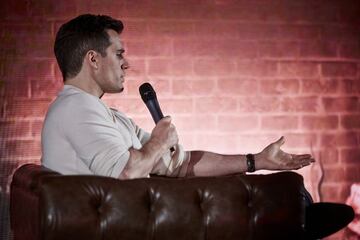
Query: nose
point(125, 65)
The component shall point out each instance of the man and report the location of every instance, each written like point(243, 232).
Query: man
point(81, 135)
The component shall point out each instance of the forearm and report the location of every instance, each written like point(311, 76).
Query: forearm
point(213, 164)
point(142, 161)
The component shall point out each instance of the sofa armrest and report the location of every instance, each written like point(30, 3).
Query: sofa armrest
point(92, 207)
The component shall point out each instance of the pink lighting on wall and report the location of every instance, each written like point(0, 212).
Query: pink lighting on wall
point(234, 76)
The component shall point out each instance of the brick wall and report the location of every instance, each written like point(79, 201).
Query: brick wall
point(234, 75)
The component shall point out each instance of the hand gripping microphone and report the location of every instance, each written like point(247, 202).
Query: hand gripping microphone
point(148, 95)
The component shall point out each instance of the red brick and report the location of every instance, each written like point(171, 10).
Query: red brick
point(45, 88)
point(329, 155)
point(350, 121)
point(195, 123)
point(254, 142)
point(19, 30)
point(318, 49)
point(26, 108)
point(239, 49)
point(177, 106)
point(129, 105)
point(290, 86)
point(21, 70)
point(178, 67)
point(53, 9)
point(153, 47)
point(300, 140)
point(315, 86)
point(334, 174)
point(340, 104)
point(214, 67)
point(278, 49)
point(188, 87)
point(254, 31)
point(338, 33)
point(169, 28)
point(22, 148)
point(349, 50)
point(215, 142)
point(159, 67)
point(256, 104)
point(194, 47)
point(136, 68)
point(36, 127)
point(15, 89)
point(351, 155)
point(14, 128)
point(352, 174)
point(115, 9)
point(340, 139)
point(300, 104)
point(298, 69)
point(279, 122)
point(237, 86)
point(320, 122)
point(219, 29)
point(243, 31)
point(180, 10)
point(181, 67)
point(145, 122)
point(14, 10)
point(135, 29)
point(215, 105)
point(299, 32)
point(256, 68)
point(349, 86)
point(238, 123)
point(330, 192)
point(160, 85)
point(187, 140)
point(339, 69)
point(237, 11)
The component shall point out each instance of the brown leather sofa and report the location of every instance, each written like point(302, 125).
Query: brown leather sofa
point(47, 205)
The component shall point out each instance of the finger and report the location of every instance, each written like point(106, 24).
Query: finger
point(303, 163)
point(281, 141)
point(301, 157)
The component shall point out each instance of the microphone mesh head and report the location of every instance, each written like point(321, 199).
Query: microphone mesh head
point(147, 92)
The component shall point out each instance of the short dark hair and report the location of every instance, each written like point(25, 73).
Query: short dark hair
point(79, 35)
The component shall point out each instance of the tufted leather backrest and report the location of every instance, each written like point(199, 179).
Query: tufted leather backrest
point(213, 208)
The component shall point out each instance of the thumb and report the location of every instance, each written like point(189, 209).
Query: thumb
point(166, 119)
point(281, 141)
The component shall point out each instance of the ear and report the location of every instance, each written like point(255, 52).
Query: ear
point(92, 59)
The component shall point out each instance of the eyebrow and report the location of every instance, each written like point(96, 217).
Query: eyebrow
point(120, 50)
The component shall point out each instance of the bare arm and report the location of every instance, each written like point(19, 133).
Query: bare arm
point(271, 158)
point(142, 161)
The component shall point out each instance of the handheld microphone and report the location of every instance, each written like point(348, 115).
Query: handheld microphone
point(148, 95)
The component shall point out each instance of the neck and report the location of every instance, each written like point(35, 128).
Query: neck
point(87, 84)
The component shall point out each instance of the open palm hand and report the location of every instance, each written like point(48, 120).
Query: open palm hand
point(273, 158)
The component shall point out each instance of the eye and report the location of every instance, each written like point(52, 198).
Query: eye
point(120, 55)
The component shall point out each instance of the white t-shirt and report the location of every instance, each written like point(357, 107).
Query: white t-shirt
point(81, 135)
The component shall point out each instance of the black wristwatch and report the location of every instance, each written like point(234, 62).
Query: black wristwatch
point(250, 162)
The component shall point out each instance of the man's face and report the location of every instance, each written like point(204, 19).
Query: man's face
point(112, 67)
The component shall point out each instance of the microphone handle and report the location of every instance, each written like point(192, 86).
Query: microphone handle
point(156, 113)
point(154, 108)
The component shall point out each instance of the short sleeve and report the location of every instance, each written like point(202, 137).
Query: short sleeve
point(97, 141)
